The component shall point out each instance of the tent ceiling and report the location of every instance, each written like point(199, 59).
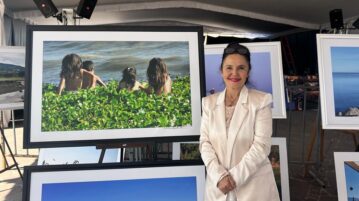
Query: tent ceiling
point(259, 18)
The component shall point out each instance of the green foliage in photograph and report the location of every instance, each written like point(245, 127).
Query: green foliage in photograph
point(106, 108)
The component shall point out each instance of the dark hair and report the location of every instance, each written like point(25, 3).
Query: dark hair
point(129, 77)
point(155, 74)
point(71, 66)
point(236, 48)
point(88, 65)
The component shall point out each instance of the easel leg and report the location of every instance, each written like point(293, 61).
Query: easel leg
point(11, 154)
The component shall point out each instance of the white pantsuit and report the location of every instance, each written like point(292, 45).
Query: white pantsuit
point(244, 152)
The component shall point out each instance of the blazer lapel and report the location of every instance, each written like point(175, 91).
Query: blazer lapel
point(219, 115)
point(239, 114)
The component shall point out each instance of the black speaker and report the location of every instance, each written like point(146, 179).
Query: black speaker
point(85, 8)
point(46, 7)
point(336, 19)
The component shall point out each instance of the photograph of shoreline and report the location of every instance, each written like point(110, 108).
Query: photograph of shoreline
point(107, 107)
point(345, 71)
point(156, 189)
point(12, 75)
point(352, 179)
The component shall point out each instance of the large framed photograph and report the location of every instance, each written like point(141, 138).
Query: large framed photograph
point(113, 182)
point(266, 73)
point(277, 157)
point(338, 76)
point(76, 155)
point(12, 77)
point(347, 174)
point(90, 85)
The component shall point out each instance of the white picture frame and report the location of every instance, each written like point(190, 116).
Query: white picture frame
point(337, 62)
point(283, 160)
point(46, 127)
point(345, 175)
point(12, 68)
point(270, 79)
point(115, 182)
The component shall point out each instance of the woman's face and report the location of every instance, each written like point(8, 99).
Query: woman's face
point(235, 71)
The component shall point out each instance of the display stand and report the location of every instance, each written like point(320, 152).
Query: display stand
point(2, 148)
point(318, 133)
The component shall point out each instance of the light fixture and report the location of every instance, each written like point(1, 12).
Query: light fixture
point(85, 8)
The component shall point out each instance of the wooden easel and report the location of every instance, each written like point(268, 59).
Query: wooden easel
point(317, 131)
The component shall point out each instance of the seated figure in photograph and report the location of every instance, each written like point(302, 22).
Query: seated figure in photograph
point(235, 138)
point(71, 76)
point(159, 80)
point(87, 82)
point(129, 81)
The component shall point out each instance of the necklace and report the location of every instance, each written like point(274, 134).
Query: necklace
point(231, 100)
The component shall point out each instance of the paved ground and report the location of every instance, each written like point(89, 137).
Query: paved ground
point(321, 187)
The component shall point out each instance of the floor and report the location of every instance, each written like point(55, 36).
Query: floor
point(318, 184)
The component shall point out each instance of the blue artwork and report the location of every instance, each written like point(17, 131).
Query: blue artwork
point(352, 179)
point(259, 78)
point(159, 189)
point(345, 64)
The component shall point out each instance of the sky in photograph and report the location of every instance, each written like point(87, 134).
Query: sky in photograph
point(158, 189)
point(345, 59)
point(352, 180)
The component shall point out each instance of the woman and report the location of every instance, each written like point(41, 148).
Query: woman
point(71, 76)
point(236, 134)
point(129, 81)
point(159, 80)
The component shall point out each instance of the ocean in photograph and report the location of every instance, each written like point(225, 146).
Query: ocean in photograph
point(352, 179)
point(259, 78)
point(346, 92)
point(111, 57)
point(157, 189)
point(345, 71)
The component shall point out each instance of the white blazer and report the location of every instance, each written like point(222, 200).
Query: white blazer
point(245, 152)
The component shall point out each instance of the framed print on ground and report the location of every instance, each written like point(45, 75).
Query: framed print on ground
point(160, 68)
point(113, 182)
point(347, 174)
point(12, 77)
point(277, 156)
point(266, 73)
point(338, 67)
point(76, 155)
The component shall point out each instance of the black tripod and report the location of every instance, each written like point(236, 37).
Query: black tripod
point(2, 149)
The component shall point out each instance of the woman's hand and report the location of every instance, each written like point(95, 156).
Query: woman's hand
point(226, 184)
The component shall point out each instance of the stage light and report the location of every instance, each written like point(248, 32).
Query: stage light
point(47, 7)
point(85, 8)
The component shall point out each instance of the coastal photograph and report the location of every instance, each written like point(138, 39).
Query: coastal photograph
point(156, 189)
point(345, 71)
point(112, 103)
point(12, 75)
point(352, 179)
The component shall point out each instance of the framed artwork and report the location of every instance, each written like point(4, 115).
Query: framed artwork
point(347, 175)
point(266, 73)
point(278, 158)
point(172, 181)
point(12, 77)
point(338, 68)
point(76, 155)
point(144, 82)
